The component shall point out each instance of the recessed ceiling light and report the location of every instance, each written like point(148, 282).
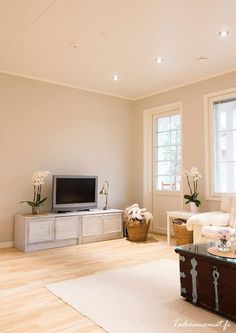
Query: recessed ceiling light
point(202, 59)
point(223, 33)
point(159, 60)
point(74, 45)
point(115, 77)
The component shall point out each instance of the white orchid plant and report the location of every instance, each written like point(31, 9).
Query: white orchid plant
point(192, 177)
point(38, 179)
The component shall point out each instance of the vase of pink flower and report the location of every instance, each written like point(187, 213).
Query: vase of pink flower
point(224, 244)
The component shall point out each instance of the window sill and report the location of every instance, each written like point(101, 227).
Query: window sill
point(217, 196)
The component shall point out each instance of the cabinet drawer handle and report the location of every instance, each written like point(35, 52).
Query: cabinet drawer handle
point(182, 275)
point(216, 275)
point(194, 274)
point(183, 290)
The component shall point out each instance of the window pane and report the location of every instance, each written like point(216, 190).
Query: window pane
point(163, 139)
point(163, 168)
point(221, 120)
point(175, 122)
point(225, 114)
point(163, 183)
point(225, 146)
point(175, 153)
point(176, 180)
point(175, 137)
point(163, 154)
point(175, 167)
point(234, 118)
point(163, 124)
point(226, 177)
point(226, 143)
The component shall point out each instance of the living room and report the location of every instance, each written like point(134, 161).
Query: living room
point(86, 88)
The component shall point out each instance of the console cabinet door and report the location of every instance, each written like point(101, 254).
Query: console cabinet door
point(66, 227)
point(91, 228)
point(40, 230)
point(112, 226)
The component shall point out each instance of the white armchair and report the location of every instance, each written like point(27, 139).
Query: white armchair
point(206, 226)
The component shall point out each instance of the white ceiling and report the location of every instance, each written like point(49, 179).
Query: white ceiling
point(122, 36)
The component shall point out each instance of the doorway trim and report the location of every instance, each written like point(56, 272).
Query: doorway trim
point(148, 150)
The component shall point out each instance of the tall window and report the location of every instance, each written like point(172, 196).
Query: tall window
point(224, 115)
point(168, 152)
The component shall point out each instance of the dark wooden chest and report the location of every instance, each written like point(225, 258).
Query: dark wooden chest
point(208, 280)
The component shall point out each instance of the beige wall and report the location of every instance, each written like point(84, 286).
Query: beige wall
point(71, 131)
point(192, 97)
point(66, 131)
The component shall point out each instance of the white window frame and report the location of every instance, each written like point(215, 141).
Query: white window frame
point(148, 134)
point(209, 122)
point(155, 117)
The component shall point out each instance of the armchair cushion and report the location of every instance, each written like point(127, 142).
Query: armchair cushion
point(211, 218)
point(232, 221)
point(212, 231)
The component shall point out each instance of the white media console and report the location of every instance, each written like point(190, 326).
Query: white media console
point(50, 230)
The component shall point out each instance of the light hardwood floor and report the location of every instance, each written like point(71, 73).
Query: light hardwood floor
point(26, 306)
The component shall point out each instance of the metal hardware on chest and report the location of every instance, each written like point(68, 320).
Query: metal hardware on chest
point(216, 276)
point(183, 290)
point(193, 272)
point(182, 275)
point(182, 258)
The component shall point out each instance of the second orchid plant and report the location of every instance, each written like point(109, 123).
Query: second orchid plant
point(193, 176)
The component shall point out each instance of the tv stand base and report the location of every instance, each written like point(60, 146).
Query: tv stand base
point(46, 231)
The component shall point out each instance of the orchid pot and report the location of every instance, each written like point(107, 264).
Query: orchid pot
point(193, 176)
point(193, 208)
point(35, 210)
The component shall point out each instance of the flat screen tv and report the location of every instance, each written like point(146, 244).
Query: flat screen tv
point(73, 193)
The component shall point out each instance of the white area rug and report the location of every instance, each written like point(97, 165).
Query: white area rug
point(138, 299)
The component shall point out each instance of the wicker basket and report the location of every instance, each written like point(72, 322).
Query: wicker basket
point(137, 232)
point(182, 235)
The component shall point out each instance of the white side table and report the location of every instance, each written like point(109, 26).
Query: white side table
point(177, 214)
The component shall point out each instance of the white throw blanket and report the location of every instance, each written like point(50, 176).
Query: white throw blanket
point(133, 212)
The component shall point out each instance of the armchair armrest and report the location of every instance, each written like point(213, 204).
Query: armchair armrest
point(219, 219)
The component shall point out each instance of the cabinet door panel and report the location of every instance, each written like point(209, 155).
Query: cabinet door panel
point(227, 275)
point(66, 227)
point(91, 228)
point(227, 300)
point(40, 230)
point(206, 292)
point(92, 225)
point(112, 224)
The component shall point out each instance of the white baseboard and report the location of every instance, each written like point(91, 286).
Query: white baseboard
point(162, 231)
point(6, 244)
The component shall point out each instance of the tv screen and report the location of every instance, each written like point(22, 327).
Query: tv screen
point(74, 192)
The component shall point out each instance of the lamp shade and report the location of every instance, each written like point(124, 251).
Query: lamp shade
point(105, 188)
